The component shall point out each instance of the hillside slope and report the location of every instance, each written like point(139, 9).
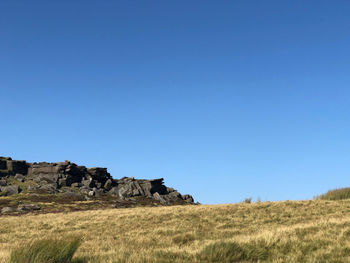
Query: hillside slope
point(291, 231)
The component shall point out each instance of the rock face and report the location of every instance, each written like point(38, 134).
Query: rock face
point(67, 177)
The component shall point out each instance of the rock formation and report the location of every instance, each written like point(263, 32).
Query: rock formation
point(92, 183)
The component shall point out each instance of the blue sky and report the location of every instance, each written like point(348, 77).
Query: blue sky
point(224, 99)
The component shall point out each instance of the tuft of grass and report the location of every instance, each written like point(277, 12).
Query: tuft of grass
point(336, 194)
point(233, 252)
point(172, 257)
point(47, 251)
point(183, 239)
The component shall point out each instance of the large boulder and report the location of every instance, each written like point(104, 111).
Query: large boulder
point(28, 207)
point(11, 167)
point(49, 178)
point(20, 167)
point(7, 209)
point(47, 168)
point(3, 164)
point(19, 177)
point(10, 190)
point(49, 188)
point(99, 174)
point(188, 198)
point(108, 185)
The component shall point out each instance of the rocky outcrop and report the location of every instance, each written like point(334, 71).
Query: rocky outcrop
point(67, 177)
point(24, 208)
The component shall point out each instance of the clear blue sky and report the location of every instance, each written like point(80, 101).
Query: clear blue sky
point(224, 99)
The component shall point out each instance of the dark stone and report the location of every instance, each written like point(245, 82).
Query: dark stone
point(3, 164)
point(99, 174)
point(3, 182)
point(187, 198)
point(15, 167)
point(170, 190)
point(28, 207)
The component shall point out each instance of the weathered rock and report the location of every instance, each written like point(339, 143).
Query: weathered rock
point(187, 198)
point(88, 183)
point(85, 190)
point(76, 184)
point(32, 188)
point(108, 185)
point(19, 177)
point(62, 182)
point(159, 198)
point(125, 190)
point(95, 182)
point(7, 209)
point(114, 191)
point(10, 190)
point(3, 182)
point(49, 177)
point(72, 196)
point(3, 164)
point(98, 184)
point(15, 167)
point(153, 186)
point(11, 167)
point(99, 174)
point(49, 188)
point(28, 207)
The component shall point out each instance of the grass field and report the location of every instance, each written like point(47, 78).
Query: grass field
point(290, 231)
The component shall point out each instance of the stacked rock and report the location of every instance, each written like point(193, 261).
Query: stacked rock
point(52, 178)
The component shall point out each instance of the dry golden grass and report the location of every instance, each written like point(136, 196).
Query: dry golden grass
point(291, 231)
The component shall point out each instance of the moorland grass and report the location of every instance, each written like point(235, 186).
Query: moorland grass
point(47, 251)
point(290, 231)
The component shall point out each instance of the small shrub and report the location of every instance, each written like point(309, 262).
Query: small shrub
point(233, 252)
point(47, 251)
point(247, 200)
point(336, 194)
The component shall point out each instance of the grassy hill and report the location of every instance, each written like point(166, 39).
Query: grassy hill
point(290, 231)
